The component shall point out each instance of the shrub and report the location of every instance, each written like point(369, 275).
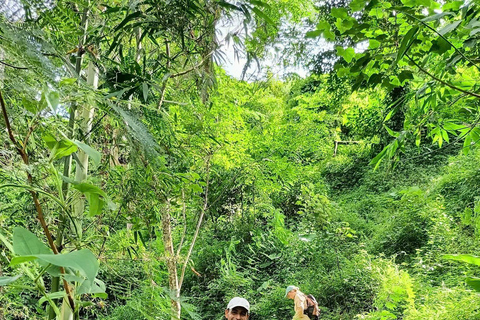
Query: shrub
point(395, 292)
point(441, 303)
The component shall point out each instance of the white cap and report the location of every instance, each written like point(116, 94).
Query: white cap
point(238, 302)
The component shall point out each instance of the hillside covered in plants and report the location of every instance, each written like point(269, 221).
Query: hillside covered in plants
point(140, 180)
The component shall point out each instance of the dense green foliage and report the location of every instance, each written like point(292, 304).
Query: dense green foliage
point(359, 185)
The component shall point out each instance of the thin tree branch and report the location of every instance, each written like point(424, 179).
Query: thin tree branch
point(473, 94)
point(199, 224)
point(194, 67)
point(12, 66)
point(444, 38)
point(184, 223)
point(164, 86)
point(94, 127)
point(29, 133)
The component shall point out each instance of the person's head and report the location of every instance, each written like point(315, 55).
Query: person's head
point(237, 309)
point(291, 292)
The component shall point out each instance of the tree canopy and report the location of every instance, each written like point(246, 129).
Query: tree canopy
point(139, 180)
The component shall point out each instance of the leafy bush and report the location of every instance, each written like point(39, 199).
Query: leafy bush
point(347, 168)
point(403, 227)
point(395, 293)
point(441, 303)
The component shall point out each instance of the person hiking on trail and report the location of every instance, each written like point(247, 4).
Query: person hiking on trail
point(237, 309)
point(306, 307)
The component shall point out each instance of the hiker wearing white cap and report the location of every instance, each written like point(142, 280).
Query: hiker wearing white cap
point(237, 309)
point(302, 304)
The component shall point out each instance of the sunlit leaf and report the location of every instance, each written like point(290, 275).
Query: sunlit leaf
point(7, 280)
point(450, 27)
point(406, 42)
point(467, 258)
point(92, 153)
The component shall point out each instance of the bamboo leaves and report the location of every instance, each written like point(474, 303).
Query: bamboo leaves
point(406, 43)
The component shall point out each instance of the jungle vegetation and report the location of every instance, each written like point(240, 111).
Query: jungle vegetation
point(139, 180)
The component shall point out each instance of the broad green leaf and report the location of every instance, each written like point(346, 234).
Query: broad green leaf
point(53, 99)
point(92, 153)
point(475, 133)
point(50, 140)
point(344, 24)
point(60, 148)
point(95, 204)
point(313, 34)
point(101, 295)
point(467, 216)
point(67, 81)
point(72, 278)
point(196, 188)
point(474, 32)
point(390, 114)
point(325, 27)
point(7, 280)
point(342, 72)
point(92, 193)
point(25, 243)
point(357, 5)
point(31, 106)
point(418, 139)
point(450, 27)
point(64, 148)
point(346, 54)
point(340, 13)
point(379, 157)
point(22, 259)
point(454, 5)
point(436, 16)
point(377, 12)
point(83, 261)
point(467, 258)
point(445, 135)
point(452, 126)
point(98, 287)
point(42, 104)
point(474, 23)
point(391, 132)
point(405, 75)
point(373, 44)
point(51, 296)
point(406, 42)
point(474, 283)
point(440, 46)
point(85, 188)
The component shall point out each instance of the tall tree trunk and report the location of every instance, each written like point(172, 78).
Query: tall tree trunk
point(85, 116)
point(171, 261)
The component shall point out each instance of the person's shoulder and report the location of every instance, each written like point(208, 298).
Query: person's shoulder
point(300, 295)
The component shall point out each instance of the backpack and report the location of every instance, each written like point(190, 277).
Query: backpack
point(311, 310)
